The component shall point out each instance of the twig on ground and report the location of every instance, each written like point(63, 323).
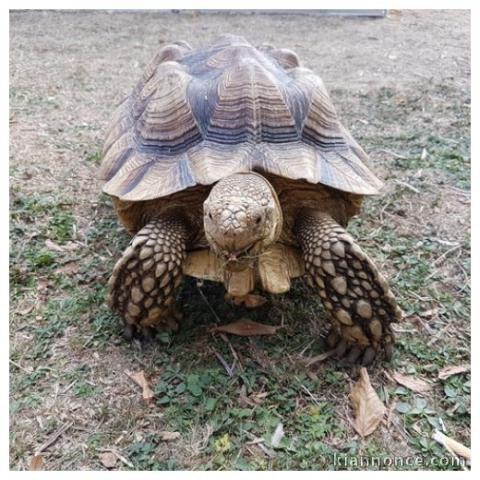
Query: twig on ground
point(394, 154)
point(53, 438)
point(453, 447)
point(229, 370)
point(259, 442)
point(68, 387)
point(309, 393)
point(306, 347)
point(466, 278)
point(439, 335)
point(445, 254)
point(28, 370)
point(447, 243)
point(217, 318)
point(234, 353)
point(117, 454)
point(407, 185)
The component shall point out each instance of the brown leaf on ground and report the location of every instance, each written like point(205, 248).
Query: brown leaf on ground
point(258, 398)
point(450, 370)
point(139, 379)
point(36, 463)
point(44, 286)
point(429, 313)
point(253, 399)
point(70, 269)
point(369, 409)
point(319, 358)
point(169, 436)
point(108, 459)
point(250, 300)
point(55, 247)
point(412, 383)
point(245, 328)
point(26, 310)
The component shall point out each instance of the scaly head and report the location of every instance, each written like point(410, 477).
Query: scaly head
point(242, 216)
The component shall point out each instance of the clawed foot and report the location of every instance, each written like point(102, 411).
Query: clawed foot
point(147, 333)
point(354, 293)
point(351, 352)
point(144, 280)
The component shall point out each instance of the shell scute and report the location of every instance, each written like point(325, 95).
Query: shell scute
point(199, 115)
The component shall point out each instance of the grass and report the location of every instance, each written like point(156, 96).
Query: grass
point(68, 359)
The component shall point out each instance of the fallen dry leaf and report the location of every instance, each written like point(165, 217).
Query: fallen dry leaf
point(319, 358)
point(55, 247)
point(36, 463)
point(250, 300)
point(369, 409)
point(245, 327)
point(412, 383)
point(108, 459)
point(139, 379)
point(452, 445)
point(43, 287)
point(169, 436)
point(277, 436)
point(253, 399)
point(70, 269)
point(448, 371)
point(429, 313)
point(258, 398)
point(254, 301)
point(26, 310)
point(245, 401)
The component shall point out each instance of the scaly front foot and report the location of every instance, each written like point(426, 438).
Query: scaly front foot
point(357, 297)
point(141, 288)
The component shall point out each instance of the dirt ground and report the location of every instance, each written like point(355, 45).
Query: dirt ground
point(401, 84)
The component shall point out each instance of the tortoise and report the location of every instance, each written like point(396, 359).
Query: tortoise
point(229, 163)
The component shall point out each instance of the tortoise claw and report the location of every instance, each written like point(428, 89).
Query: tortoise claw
point(128, 331)
point(354, 354)
point(148, 334)
point(333, 338)
point(388, 351)
point(341, 348)
point(368, 356)
point(348, 353)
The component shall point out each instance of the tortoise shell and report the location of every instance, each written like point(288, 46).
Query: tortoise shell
point(197, 116)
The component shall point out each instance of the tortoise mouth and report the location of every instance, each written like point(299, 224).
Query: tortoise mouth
point(249, 252)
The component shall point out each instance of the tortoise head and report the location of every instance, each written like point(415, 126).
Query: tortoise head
point(242, 216)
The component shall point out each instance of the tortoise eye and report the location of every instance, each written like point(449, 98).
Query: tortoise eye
point(210, 216)
point(258, 219)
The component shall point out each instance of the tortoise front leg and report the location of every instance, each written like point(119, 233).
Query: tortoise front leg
point(143, 282)
point(354, 293)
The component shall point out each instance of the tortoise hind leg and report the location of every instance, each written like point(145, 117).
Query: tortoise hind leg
point(355, 294)
point(144, 280)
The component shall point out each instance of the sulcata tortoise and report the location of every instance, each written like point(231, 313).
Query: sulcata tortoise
point(229, 163)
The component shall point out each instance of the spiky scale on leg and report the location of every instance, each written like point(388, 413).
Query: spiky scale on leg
point(144, 280)
point(353, 291)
